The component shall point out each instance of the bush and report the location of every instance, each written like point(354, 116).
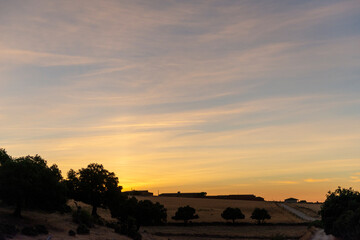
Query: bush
point(128, 228)
point(316, 223)
point(111, 224)
point(340, 214)
point(82, 229)
point(29, 231)
point(72, 233)
point(149, 213)
point(83, 217)
point(65, 209)
point(41, 229)
point(8, 229)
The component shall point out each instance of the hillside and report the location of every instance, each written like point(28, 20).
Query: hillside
point(209, 210)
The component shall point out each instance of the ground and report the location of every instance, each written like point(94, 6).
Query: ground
point(209, 210)
point(57, 224)
point(209, 226)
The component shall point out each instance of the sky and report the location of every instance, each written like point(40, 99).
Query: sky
point(222, 96)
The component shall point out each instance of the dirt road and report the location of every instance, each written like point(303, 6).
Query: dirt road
point(321, 235)
point(297, 212)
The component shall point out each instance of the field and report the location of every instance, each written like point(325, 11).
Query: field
point(227, 232)
point(209, 210)
point(210, 225)
point(311, 209)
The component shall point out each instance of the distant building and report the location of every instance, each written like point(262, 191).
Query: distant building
point(302, 201)
point(144, 193)
point(185, 195)
point(291, 200)
point(248, 197)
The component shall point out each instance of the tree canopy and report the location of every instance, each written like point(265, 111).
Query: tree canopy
point(29, 182)
point(340, 213)
point(93, 185)
point(232, 214)
point(260, 214)
point(185, 214)
point(4, 156)
point(146, 213)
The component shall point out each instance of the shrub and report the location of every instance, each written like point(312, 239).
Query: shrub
point(41, 229)
point(82, 216)
point(340, 213)
point(149, 213)
point(316, 223)
point(72, 233)
point(65, 209)
point(29, 231)
point(128, 228)
point(82, 229)
point(8, 229)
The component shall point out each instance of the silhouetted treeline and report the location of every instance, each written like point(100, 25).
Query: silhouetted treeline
point(28, 182)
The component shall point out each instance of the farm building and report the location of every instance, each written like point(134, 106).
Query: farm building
point(186, 195)
point(249, 197)
point(139, 193)
point(291, 200)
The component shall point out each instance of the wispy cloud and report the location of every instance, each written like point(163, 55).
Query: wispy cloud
point(200, 91)
point(312, 180)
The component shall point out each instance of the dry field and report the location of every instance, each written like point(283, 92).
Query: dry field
point(226, 232)
point(311, 209)
point(209, 210)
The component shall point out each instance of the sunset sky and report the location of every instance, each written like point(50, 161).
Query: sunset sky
point(222, 96)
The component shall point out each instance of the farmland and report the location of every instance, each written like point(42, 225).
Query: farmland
point(209, 210)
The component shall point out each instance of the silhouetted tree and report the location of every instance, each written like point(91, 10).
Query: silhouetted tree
point(93, 185)
point(185, 214)
point(232, 214)
point(29, 182)
point(260, 214)
point(146, 213)
point(122, 209)
point(4, 156)
point(149, 213)
point(340, 213)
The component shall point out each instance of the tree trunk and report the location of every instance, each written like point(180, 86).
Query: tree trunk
point(17, 212)
point(233, 221)
point(94, 211)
